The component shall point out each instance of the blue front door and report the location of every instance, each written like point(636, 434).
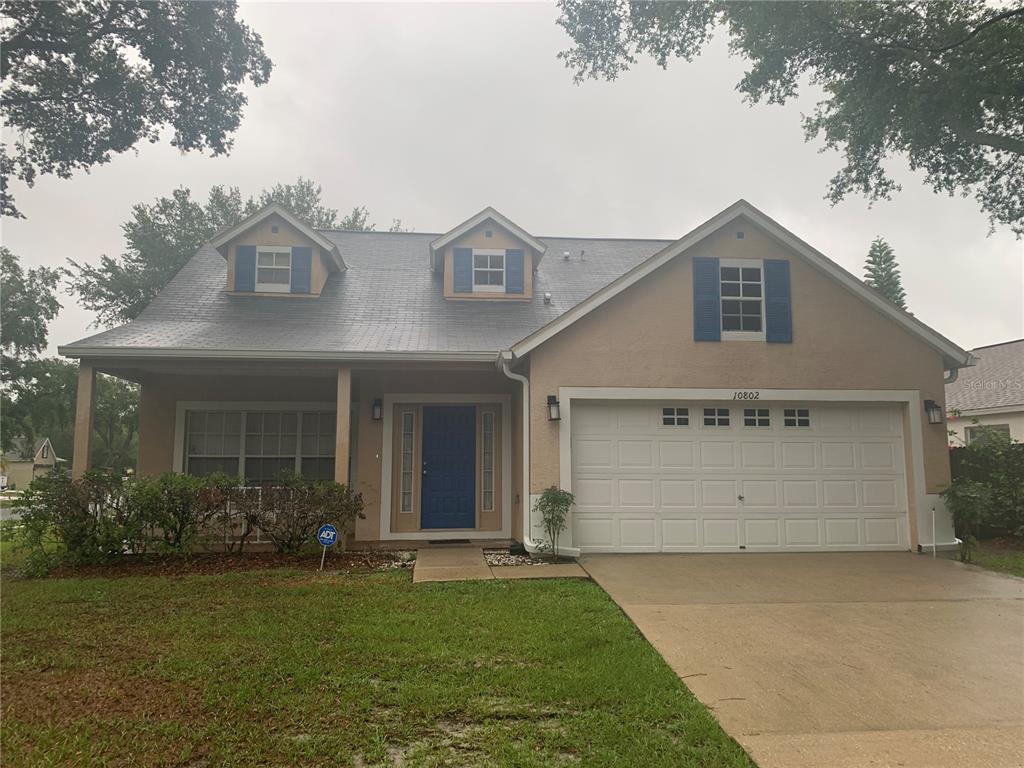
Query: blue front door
point(449, 467)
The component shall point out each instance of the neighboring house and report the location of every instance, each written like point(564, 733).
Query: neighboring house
point(730, 390)
point(990, 395)
point(24, 463)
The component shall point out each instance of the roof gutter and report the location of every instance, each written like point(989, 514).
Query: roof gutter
point(504, 360)
point(152, 353)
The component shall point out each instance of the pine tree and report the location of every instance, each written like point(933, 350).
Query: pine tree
point(882, 273)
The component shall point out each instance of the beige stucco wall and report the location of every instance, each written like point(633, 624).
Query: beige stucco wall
point(644, 338)
point(500, 238)
point(1015, 420)
point(262, 233)
point(161, 393)
point(19, 474)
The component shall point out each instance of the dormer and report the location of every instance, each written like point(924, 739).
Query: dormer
point(487, 257)
point(273, 253)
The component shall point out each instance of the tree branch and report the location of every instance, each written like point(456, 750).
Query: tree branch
point(974, 32)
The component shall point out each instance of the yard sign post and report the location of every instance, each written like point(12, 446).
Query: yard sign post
point(328, 537)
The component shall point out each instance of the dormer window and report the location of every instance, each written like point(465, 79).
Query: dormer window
point(489, 270)
point(273, 269)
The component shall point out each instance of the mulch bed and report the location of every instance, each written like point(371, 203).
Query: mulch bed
point(1007, 543)
point(226, 562)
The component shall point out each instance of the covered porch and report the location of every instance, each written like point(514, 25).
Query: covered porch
point(434, 447)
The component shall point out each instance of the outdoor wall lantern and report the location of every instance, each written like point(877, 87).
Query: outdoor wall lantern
point(553, 412)
point(934, 411)
point(378, 410)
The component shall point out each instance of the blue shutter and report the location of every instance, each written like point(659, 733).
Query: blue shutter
point(514, 271)
point(778, 314)
point(463, 275)
point(245, 268)
point(302, 268)
point(707, 309)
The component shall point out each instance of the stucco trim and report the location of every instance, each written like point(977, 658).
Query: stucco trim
point(487, 213)
point(386, 459)
point(227, 235)
point(911, 398)
point(953, 356)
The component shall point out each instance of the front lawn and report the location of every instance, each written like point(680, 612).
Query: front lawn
point(283, 667)
point(1004, 555)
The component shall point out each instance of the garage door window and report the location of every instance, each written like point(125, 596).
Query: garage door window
point(796, 417)
point(675, 417)
point(756, 417)
point(716, 417)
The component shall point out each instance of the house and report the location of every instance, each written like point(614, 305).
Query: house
point(990, 395)
point(730, 390)
point(27, 461)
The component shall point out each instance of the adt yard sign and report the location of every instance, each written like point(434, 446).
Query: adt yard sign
point(328, 537)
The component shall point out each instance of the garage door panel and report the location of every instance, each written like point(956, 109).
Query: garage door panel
point(835, 482)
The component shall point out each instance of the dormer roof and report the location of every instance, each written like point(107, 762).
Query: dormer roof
point(225, 236)
point(487, 214)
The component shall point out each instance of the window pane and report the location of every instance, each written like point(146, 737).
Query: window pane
point(197, 421)
point(253, 445)
point(232, 445)
point(730, 323)
point(233, 423)
point(282, 260)
point(751, 324)
point(480, 261)
point(309, 423)
point(731, 307)
point(751, 274)
point(253, 423)
point(271, 444)
point(215, 421)
point(207, 466)
point(265, 259)
point(288, 444)
point(497, 262)
point(214, 444)
point(750, 307)
point(730, 273)
point(197, 444)
point(751, 289)
point(271, 423)
point(289, 422)
point(730, 289)
point(317, 468)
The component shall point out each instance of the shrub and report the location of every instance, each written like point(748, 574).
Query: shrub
point(553, 507)
point(293, 509)
point(176, 507)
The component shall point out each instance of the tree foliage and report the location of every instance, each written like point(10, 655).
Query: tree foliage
point(83, 80)
point(29, 304)
point(941, 83)
point(882, 273)
point(162, 236)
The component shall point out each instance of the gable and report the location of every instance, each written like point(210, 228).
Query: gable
point(762, 238)
point(486, 240)
point(273, 232)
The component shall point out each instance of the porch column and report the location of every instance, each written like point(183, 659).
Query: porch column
point(342, 426)
point(83, 419)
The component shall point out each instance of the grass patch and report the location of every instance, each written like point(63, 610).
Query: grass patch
point(1003, 555)
point(292, 668)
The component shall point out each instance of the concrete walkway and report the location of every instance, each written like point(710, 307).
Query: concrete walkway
point(460, 563)
point(845, 660)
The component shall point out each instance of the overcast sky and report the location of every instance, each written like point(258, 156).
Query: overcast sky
point(431, 112)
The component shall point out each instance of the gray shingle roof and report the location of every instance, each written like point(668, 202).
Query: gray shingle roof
point(995, 381)
point(387, 301)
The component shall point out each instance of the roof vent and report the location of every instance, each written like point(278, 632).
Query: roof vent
point(547, 298)
point(565, 255)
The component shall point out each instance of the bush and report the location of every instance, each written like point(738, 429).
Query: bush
point(987, 492)
point(553, 506)
point(293, 509)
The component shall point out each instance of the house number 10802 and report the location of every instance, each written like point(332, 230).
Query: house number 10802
point(748, 395)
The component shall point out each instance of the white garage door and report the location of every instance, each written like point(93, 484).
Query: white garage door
point(679, 476)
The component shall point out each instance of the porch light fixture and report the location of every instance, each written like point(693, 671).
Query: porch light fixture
point(553, 411)
point(378, 410)
point(934, 411)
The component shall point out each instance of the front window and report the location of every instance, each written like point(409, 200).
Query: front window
point(488, 270)
point(742, 289)
point(980, 434)
point(260, 445)
point(273, 269)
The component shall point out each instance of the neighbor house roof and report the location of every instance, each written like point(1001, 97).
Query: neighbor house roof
point(387, 304)
point(996, 381)
point(20, 450)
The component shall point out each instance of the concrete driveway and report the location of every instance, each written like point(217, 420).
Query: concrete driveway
point(845, 660)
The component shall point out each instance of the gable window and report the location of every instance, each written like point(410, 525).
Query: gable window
point(675, 417)
point(46, 450)
point(796, 417)
point(273, 269)
point(489, 270)
point(756, 417)
point(742, 292)
point(716, 417)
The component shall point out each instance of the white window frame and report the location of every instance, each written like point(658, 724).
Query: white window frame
point(277, 250)
point(758, 415)
point(488, 252)
point(488, 445)
point(718, 415)
point(675, 413)
point(741, 335)
point(796, 417)
point(404, 468)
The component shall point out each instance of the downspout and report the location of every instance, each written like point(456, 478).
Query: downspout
point(951, 376)
point(504, 360)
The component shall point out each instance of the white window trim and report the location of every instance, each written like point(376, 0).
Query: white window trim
point(183, 406)
point(741, 335)
point(387, 462)
point(273, 287)
point(477, 288)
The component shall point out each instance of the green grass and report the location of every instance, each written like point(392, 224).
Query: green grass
point(1004, 558)
point(288, 668)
